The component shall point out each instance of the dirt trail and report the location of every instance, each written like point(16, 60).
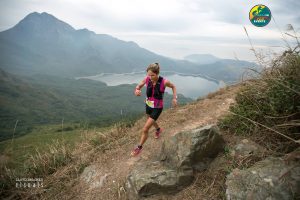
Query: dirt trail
point(114, 165)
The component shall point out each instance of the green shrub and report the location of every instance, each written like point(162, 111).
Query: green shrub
point(269, 106)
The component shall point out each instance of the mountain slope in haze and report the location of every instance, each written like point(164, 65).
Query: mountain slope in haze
point(44, 99)
point(41, 43)
point(222, 69)
point(230, 70)
point(201, 59)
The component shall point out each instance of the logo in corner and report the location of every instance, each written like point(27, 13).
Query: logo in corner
point(260, 15)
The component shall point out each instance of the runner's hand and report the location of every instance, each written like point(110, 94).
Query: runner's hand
point(137, 92)
point(174, 102)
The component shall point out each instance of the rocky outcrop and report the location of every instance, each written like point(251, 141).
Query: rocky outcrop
point(272, 178)
point(155, 178)
point(173, 170)
point(92, 177)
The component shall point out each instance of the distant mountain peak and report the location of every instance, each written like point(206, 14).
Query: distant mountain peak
point(85, 31)
point(37, 16)
point(41, 43)
point(43, 22)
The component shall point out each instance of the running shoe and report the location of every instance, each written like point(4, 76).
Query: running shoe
point(136, 151)
point(157, 133)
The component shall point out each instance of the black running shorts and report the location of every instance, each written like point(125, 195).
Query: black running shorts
point(153, 112)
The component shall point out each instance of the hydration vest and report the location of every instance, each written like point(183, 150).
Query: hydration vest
point(155, 94)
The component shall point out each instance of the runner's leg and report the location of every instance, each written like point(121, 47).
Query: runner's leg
point(146, 128)
point(155, 124)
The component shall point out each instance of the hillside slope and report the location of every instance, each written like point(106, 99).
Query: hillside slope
point(43, 99)
point(113, 163)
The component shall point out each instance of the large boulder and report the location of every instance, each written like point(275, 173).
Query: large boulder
point(173, 170)
point(195, 148)
point(272, 178)
point(154, 178)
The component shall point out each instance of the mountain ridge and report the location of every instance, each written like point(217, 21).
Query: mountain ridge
point(41, 43)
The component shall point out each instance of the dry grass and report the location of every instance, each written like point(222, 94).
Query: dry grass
point(109, 151)
point(60, 166)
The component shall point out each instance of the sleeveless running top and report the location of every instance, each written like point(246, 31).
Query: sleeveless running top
point(155, 94)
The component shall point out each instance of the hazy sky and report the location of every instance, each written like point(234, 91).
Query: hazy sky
point(173, 28)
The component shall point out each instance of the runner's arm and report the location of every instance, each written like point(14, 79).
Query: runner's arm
point(141, 84)
point(173, 87)
point(138, 88)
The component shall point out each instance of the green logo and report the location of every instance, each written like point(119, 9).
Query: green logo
point(260, 15)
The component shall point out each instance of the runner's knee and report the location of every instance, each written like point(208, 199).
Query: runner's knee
point(146, 129)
